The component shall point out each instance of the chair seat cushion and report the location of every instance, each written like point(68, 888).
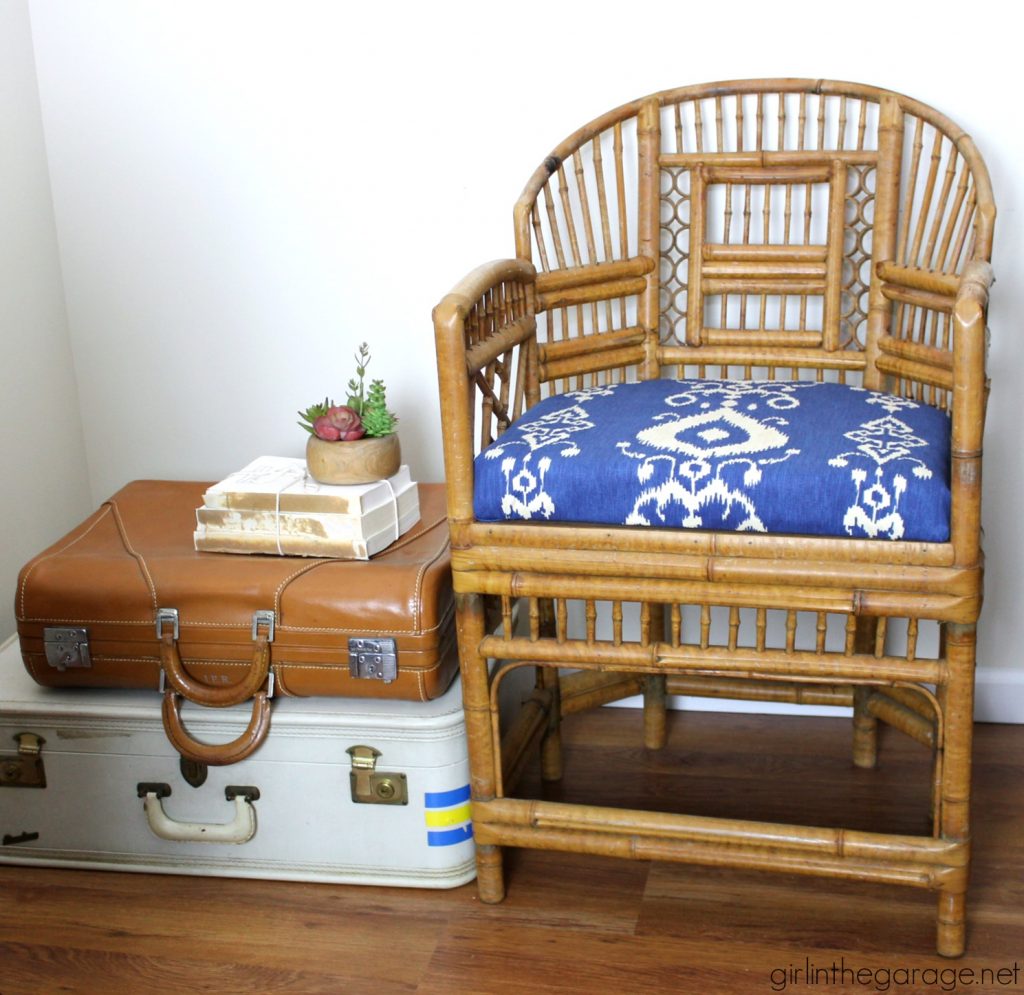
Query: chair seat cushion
point(796, 457)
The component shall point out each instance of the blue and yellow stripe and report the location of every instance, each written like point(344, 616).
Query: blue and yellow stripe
point(448, 817)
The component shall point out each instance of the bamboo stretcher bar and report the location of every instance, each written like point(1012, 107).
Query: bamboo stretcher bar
point(582, 345)
point(626, 686)
point(929, 605)
point(699, 355)
point(745, 690)
point(908, 369)
point(582, 276)
point(711, 661)
point(709, 855)
point(776, 173)
point(769, 158)
point(782, 284)
point(786, 270)
point(479, 545)
point(846, 843)
point(584, 690)
point(916, 352)
point(918, 298)
point(522, 736)
point(590, 293)
point(915, 700)
point(496, 344)
point(760, 338)
point(696, 566)
point(900, 717)
point(591, 362)
point(767, 254)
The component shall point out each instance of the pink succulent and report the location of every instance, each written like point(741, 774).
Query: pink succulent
point(346, 422)
point(323, 429)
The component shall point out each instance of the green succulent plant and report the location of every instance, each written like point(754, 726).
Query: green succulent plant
point(377, 420)
point(311, 414)
point(366, 410)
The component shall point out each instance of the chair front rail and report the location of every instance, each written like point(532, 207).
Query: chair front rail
point(716, 661)
point(915, 861)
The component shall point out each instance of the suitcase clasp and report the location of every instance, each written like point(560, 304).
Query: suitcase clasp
point(66, 647)
point(26, 769)
point(375, 659)
point(371, 786)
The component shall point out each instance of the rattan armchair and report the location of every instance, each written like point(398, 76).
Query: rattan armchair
point(765, 242)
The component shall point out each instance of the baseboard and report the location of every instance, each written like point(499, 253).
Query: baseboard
point(999, 697)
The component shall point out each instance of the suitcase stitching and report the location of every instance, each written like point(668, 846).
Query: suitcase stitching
point(24, 580)
point(417, 587)
point(139, 558)
point(280, 590)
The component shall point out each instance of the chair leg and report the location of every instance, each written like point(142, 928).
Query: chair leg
point(551, 741)
point(865, 726)
point(655, 732)
point(544, 625)
point(484, 760)
point(865, 730)
point(957, 698)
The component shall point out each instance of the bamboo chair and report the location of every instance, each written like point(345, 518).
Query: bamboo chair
point(766, 233)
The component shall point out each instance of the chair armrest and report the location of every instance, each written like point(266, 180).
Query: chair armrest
point(970, 394)
point(486, 339)
point(970, 386)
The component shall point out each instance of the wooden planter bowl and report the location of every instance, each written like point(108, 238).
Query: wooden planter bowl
point(360, 462)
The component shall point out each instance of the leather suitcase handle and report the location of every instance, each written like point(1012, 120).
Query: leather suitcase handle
point(215, 697)
point(216, 754)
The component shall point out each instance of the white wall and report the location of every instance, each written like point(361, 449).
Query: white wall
point(45, 487)
point(244, 191)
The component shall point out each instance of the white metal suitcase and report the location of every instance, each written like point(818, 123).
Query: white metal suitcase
point(357, 791)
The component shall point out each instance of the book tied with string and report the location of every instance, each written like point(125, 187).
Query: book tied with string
point(273, 506)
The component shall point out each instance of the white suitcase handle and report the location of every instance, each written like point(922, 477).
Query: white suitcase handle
point(240, 829)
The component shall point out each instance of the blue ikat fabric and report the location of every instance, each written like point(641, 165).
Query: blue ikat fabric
point(746, 456)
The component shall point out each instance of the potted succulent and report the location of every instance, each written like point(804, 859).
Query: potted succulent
point(352, 443)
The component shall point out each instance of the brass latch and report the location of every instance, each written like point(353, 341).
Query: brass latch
point(371, 786)
point(26, 769)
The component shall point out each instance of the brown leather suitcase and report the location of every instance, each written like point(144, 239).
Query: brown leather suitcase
point(125, 601)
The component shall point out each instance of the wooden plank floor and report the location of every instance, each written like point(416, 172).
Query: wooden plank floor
point(574, 923)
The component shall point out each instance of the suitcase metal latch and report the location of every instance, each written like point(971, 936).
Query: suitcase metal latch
point(26, 769)
point(66, 647)
point(375, 659)
point(371, 786)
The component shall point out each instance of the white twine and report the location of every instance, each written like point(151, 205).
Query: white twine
point(297, 475)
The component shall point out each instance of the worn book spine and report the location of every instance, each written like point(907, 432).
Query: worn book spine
point(282, 485)
point(318, 525)
point(285, 545)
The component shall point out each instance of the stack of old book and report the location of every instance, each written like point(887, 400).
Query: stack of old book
point(274, 506)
